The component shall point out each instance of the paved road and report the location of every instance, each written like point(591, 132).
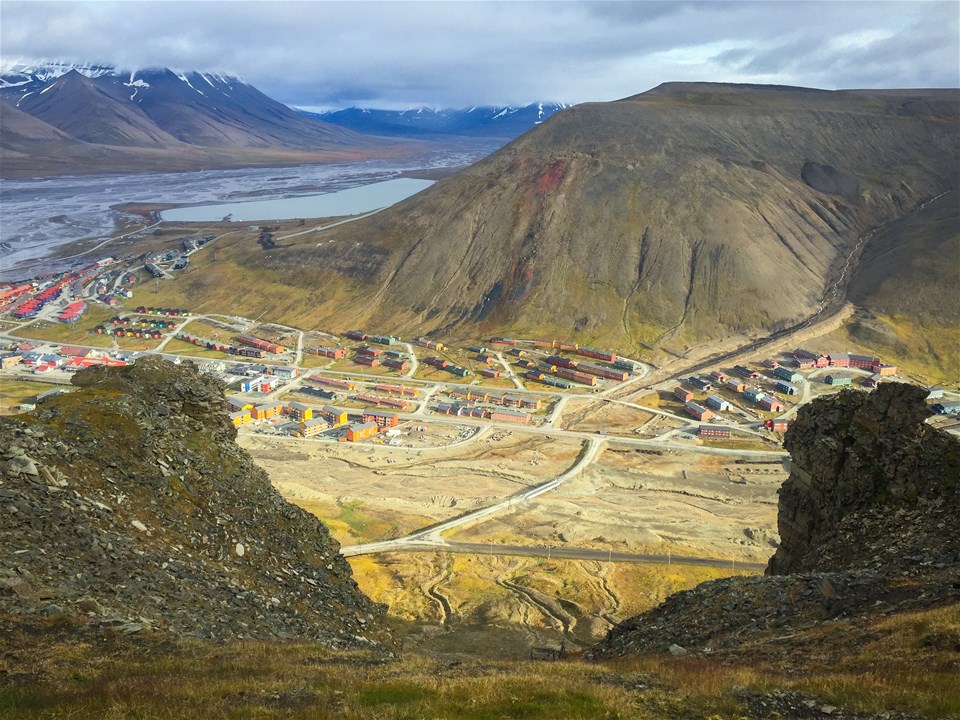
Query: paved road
point(318, 228)
point(568, 553)
point(433, 535)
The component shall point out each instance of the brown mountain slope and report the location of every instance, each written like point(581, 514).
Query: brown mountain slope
point(74, 104)
point(160, 120)
point(678, 215)
point(912, 265)
point(907, 289)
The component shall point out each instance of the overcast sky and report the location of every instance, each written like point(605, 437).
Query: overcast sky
point(402, 54)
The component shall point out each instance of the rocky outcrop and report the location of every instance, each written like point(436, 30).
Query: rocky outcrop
point(870, 526)
point(127, 503)
point(861, 456)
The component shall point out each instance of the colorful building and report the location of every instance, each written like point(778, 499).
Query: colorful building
point(784, 373)
point(698, 411)
point(313, 427)
point(361, 431)
point(381, 419)
point(715, 402)
point(299, 411)
point(334, 416)
point(838, 379)
point(241, 417)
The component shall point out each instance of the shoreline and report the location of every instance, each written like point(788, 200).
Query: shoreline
point(58, 256)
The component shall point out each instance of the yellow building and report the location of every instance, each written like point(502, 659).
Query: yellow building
point(313, 427)
point(266, 411)
point(299, 411)
point(241, 417)
point(334, 416)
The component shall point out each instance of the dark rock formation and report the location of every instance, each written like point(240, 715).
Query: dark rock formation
point(870, 526)
point(854, 452)
point(127, 503)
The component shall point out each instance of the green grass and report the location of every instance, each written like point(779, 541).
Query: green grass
point(900, 664)
point(13, 392)
point(179, 347)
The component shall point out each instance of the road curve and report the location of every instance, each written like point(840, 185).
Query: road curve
point(433, 535)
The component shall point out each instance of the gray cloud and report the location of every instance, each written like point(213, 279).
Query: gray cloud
point(461, 53)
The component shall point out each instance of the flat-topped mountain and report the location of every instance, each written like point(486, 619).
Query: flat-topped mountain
point(127, 503)
point(690, 212)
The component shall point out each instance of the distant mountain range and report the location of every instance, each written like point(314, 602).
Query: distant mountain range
point(62, 117)
point(488, 121)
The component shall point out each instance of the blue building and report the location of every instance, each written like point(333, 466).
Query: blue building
point(785, 373)
point(787, 388)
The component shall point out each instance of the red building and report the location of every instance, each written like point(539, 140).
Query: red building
point(698, 411)
point(509, 416)
point(682, 394)
point(771, 404)
point(598, 354)
point(381, 419)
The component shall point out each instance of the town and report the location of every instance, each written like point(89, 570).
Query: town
point(367, 387)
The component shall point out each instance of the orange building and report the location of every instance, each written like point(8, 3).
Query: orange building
point(361, 431)
point(266, 411)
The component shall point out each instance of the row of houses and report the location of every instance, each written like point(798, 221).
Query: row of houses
point(203, 342)
point(360, 336)
point(131, 332)
point(430, 344)
point(397, 389)
point(323, 351)
point(555, 362)
point(332, 382)
point(807, 359)
point(261, 344)
point(477, 411)
point(754, 394)
point(134, 321)
point(550, 344)
point(381, 400)
point(169, 312)
point(444, 364)
point(72, 312)
point(477, 394)
point(68, 357)
point(311, 421)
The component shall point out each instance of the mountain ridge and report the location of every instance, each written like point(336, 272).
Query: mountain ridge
point(487, 121)
point(657, 220)
point(151, 118)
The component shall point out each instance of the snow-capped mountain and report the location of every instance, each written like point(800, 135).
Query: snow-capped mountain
point(17, 74)
point(478, 121)
point(157, 107)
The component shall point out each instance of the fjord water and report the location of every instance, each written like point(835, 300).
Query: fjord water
point(39, 215)
point(353, 201)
